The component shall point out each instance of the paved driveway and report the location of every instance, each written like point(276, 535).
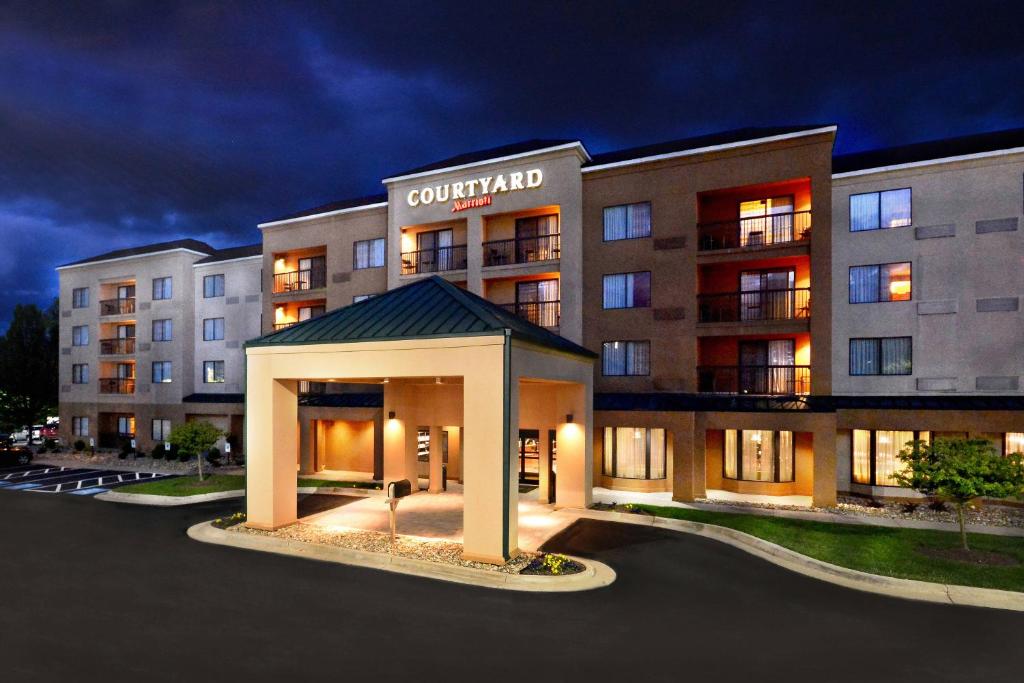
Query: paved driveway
point(74, 480)
point(94, 591)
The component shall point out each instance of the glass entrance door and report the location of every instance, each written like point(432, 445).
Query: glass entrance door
point(529, 456)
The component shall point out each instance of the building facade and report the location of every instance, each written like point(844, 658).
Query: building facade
point(768, 319)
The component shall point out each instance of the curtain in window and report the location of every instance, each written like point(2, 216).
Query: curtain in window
point(863, 357)
point(609, 468)
point(895, 356)
point(864, 212)
point(657, 454)
point(615, 291)
point(862, 456)
point(638, 358)
point(729, 469)
point(888, 445)
point(864, 284)
point(614, 358)
point(1014, 443)
point(895, 208)
point(639, 220)
point(758, 455)
point(616, 219)
point(631, 446)
point(786, 456)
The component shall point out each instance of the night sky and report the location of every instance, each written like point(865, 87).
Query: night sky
point(123, 123)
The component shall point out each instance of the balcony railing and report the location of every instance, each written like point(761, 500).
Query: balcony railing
point(436, 260)
point(522, 250)
point(754, 379)
point(543, 313)
point(120, 346)
point(755, 232)
point(307, 387)
point(766, 304)
point(117, 306)
point(300, 280)
point(282, 326)
point(117, 385)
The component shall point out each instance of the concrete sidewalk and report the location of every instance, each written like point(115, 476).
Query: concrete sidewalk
point(602, 495)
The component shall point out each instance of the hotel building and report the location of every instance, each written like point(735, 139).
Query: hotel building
point(740, 313)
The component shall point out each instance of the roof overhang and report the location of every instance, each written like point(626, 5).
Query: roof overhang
point(133, 256)
point(928, 162)
point(578, 146)
point(325, 214)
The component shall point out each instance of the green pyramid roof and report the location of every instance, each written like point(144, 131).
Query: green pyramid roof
point(426, 309)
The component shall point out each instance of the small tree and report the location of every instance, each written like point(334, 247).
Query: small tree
point(961, 470)
point(195, 439)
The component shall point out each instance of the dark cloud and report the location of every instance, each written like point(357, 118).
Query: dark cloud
point(122, 123)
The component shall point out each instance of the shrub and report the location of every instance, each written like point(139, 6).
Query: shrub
point(79, 446)
point(50, 445)
point(126, 449)
point(213, 456)
point(938, 506)
point(158, 452)
point(183, 457)
point(909, 508)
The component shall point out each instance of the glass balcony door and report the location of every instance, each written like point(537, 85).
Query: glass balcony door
point(766, 221)
point(434, 251)
point(767, 294)
point(538, 302)
point(767, 367)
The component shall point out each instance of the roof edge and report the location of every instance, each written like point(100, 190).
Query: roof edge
point(929, 162)
point(578, 145)
point(325, 214)
point(76, 264)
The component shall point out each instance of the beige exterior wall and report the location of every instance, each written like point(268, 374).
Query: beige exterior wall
point(955, 265)
point(241, 308)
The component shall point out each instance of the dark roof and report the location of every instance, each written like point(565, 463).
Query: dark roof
point(485, 155)
point(350, 203)
point(214, 398)
point(927, 151)
point(428, 308)
point(698, 142)
point(677, 402)
point(343, 400)
point(233, 253)
point(194, 245)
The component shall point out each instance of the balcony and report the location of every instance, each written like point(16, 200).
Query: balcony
point(756, 306)
point(117, 385)
point(543, 313)
point(438, 260)
point(300, 280)
point(775, 380)
point(522, 250)
point(755, 233)
point(119, 346)
point(284, 326)
point(117, 306)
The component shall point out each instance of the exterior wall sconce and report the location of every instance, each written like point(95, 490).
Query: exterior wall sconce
point(386, 380)
point(569, 418)
point(391, 415)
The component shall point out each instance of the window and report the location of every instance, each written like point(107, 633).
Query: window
point(80, 426)
point(213, 371)
point(163, 330)
point(881, 356)
point(627, 221)
point(80, 335)
point(161, 429)
point(161, 371)
point(1014, 443)
point(767, 221)
point(213, 286)
point(876, 454)
point(626, 358)
point(758, 455)
point(885, 282)
point(880, 210)
point(80, 297)
point(368, 254)
point(627, 290)
point(634, 452)
point(310, 312)
point(80, 373)
point(213, 329)
point(126, 425)
point(161, 288)
point(362, 297)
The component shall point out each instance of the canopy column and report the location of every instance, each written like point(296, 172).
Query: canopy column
point(272, 421)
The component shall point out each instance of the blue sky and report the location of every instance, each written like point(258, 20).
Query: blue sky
point(126, 123)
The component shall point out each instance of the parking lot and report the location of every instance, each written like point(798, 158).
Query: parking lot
point(71, 480)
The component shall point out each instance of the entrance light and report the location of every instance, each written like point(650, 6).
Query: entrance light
point(569, 418)
point(391, 415)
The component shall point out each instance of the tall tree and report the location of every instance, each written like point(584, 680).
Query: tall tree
point(29, 365)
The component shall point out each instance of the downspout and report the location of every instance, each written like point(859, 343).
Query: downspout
point(505, 467)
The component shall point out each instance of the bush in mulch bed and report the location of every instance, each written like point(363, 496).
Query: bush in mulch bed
point(225, 522)
point(552, 564)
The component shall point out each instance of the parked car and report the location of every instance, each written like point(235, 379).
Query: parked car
point(5, 439)
point(20, 436)
point(49, 431)
point(15, 456)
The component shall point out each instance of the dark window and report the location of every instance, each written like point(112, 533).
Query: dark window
point(80, 373)
point(161, 288)
point(80, 297)
point(880, 210)
point(627, 221)
point(213, 329)
point(213, 286)
point(368, 254)
point(881, 356)
point(627, 290)
point(163, 330)
point(626, 358)
point(161, 371)
point(213, 371)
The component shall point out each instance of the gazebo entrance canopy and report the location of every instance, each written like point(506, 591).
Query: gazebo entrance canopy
point(444, 357)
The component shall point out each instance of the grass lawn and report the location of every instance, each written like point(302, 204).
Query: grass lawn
point(878, 550)
point(215, 483)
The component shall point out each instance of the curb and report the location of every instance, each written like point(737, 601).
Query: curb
point(174, 501)
point(909, 589)
point(596, 574)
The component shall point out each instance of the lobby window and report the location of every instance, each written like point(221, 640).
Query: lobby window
point(362, 297)
point(759, 455)
point(213, 286)
point(80, 297)
point(880, 283)
point(80, 335)
point(126, 425)
point(881, 356)
point(876, 454)
point(161, 429)
point(161, 371)
point(368, 254)
point(880, 210)
point(80, 373)
point(626, 358)
point(213, 329)
point(80, 426)
point(634, 452)
point(627, 290)
point(1013, 443)
point(213, 371)
point(627, 221)
point(163, 330)
point(162, 288)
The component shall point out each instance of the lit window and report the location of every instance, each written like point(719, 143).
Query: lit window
point(758, 455)
point(126, 425)
point(362, 297)
point(627, 290)
point(634, 452)
point(1014, 443)
point(627, 221)
point(880, 210)
point(213, 371)
point(875, 283)
point(626, 358)
point(876, 454)
point(161, 371)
